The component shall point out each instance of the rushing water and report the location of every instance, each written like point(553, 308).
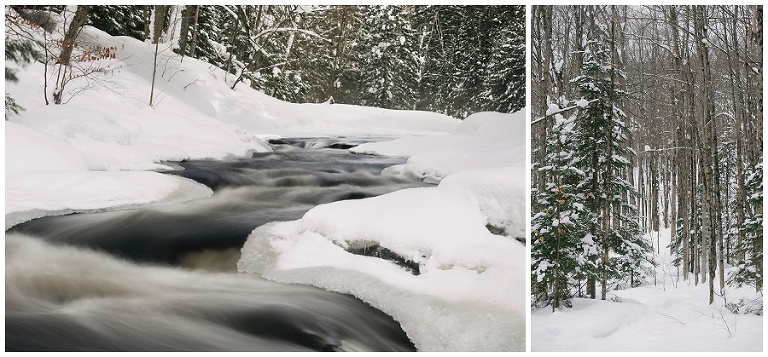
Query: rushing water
point(163, 278)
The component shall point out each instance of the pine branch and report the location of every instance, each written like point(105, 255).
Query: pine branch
point(563, 110)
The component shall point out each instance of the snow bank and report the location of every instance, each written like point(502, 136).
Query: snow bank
point(468, 296)
point(426, 256)
point(499, 193)
point(29, 196)
point(482, 140)
point(46, 175)
point(35, 151)
point(324, 120)
point(484, 158)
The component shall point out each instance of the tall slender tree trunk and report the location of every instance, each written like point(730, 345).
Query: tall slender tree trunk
point(159, 25)
point(734, 62)
point(608, 179)
point(195, 15)
point(81, 15)
point(184, 31)
point(67, 45)
point(710, 161)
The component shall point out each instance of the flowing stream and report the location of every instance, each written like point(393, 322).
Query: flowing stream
point(164, 278)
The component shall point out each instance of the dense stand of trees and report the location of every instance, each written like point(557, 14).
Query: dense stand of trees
point(451, 59)
point(645, 118)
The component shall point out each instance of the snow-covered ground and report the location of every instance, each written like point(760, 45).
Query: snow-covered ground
point(97, 152)
point(669, 316)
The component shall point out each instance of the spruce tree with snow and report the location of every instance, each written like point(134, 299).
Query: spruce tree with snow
point(19, 51)
point(435, 26)
point(603, 148)
point(473, 59)
point(749, 271)
point(208, 36)
point(557, 225)
point(388, 63)
point(332, 64)
point(118, 20)
point(504, 83)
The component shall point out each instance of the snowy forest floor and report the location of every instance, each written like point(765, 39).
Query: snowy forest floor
point(670, 315)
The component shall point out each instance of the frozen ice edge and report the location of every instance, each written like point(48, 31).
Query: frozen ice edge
point(186, 191)
point(447, 330)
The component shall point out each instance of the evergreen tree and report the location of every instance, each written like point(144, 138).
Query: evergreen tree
point(19, 51)
point(472, 58)
point(209, 36)
point(470, 55)
point(749, 271)
point(504, 83)
point(451, 59)
point(604, 151)
point(557, 227)
point(434, 65)
point(332, 65)
point(118, 20)
point(387, 62)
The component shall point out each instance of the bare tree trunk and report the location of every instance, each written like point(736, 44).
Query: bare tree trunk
point(734, 62)
point(67, 45)
point(160, 13)
point(81, 15)
point(195, 15)
point(709, 161)
point(184, 31)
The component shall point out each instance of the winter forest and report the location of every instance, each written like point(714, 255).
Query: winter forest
point(646, 122)
point(451, 59)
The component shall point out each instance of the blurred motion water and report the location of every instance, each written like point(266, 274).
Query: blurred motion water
point(164, 278)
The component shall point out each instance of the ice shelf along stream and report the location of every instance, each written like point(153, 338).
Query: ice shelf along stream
point(164, 278)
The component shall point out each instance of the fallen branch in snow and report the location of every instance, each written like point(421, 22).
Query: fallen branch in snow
point(673, 318)
point(720, 322)
point(191, 83)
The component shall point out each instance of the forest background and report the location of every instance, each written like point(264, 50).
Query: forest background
point(455, 60)
point(645, 117)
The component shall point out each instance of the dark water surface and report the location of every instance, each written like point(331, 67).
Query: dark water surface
point(164, 278)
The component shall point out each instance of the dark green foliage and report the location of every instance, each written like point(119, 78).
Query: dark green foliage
point(11, 107)
point(454, 58)
point(585, 165)
point(474, 58)
point(558, 233)
point(603, 144)
point(504, 84)
point(387, 60)
point(118, 20)
point(333, 66)
point(750, 270)
point(208, 34)
point(19, 52)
